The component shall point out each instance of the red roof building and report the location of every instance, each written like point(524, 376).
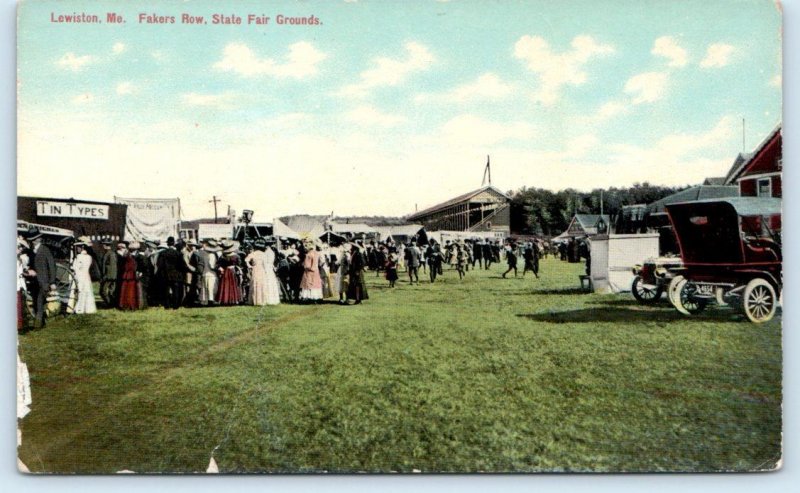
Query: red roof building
point(758, 174)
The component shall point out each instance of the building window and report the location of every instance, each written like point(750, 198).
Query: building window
point(764, 187)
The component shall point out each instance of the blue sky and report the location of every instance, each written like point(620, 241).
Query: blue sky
point(387, 104)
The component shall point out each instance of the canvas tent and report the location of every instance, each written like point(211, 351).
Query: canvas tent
point(281, 230)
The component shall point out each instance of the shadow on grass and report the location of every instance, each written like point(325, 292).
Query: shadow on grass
point(618, 315)
point(662, 303)
point(560, 292)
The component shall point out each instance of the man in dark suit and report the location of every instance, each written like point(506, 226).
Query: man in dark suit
point(171, 273)
point(477, 253)
point(44, 265)
point(108, 274)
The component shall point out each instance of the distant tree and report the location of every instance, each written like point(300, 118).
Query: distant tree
point(543, 212)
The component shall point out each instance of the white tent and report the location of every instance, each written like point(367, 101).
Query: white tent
point(280, 229)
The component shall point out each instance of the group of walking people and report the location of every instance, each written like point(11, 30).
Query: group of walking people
point(430, 256)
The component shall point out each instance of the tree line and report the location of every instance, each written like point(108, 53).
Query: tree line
point(536, 211)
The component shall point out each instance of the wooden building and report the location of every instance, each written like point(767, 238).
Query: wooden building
point(758, 173)
point(97, 220)
point(484, 209)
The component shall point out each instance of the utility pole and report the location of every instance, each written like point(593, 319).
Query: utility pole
point(744, 149)
point(215, 200)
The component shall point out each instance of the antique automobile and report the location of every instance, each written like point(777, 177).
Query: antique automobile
point(652, 278)
point(731, 252)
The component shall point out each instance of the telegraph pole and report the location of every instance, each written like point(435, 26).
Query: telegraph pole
point(215, 200)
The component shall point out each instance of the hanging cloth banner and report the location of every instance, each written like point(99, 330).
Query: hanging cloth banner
point(151, 219)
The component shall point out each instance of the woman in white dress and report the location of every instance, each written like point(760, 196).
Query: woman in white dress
point(80, 266)
point(264, 289)
point(271, 279)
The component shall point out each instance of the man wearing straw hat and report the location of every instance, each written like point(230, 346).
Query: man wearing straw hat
point(44, 266)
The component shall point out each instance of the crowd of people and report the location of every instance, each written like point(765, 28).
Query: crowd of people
point(266, 271)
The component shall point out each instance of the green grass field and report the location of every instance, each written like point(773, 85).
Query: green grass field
point(484, 374)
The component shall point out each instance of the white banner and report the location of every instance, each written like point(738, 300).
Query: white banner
point(216, 231)
point(151, 219)
point(46, 208)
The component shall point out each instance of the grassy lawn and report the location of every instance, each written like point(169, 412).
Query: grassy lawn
point(484, 374)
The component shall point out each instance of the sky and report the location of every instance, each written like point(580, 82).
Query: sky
point(384, 107)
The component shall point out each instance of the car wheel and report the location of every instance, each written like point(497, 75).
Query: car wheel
point(645, 294)
point(759, 301)
point(686, 303)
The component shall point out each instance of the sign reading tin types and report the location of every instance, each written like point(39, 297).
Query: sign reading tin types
point(71, 209)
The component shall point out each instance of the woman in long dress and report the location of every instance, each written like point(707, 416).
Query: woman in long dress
point(256, 260)
point(357, 288)
point(81, 266)
point(230, 292)
point(130, 293)
point(271, 278)
point(311, 282)
point(343, 272)
point(323, 273)
point(264, 289)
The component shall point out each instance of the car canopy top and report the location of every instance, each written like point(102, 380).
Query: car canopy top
point(710, 231)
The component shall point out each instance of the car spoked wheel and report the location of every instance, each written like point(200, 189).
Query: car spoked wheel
point(759, 301)
point(645, 293)
point(686, 302)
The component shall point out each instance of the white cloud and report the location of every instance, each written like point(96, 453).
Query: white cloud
point(675, 148)
point(72, 62)
point(558, 69)
point(300, 62)
point(368, 115)
point(717, 55)
point(667, 47)
point(119, 48)
point(391, 71)
point(474, 130)
point(124, 88)
point(83, 98)
point(647, 87)
point(486, 87)
point(220, 101)
point(611, 109)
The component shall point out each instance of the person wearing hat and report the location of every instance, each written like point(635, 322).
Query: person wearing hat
point(230, 286)
point(170, 272)
point(204, 261)
point(310, 282)
point(264, 287)
point(22, 272)
point(44, 269)
point(108, 273)
point(81, 265)
point(357, 287)
point(129, 288)
point(189, 291)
